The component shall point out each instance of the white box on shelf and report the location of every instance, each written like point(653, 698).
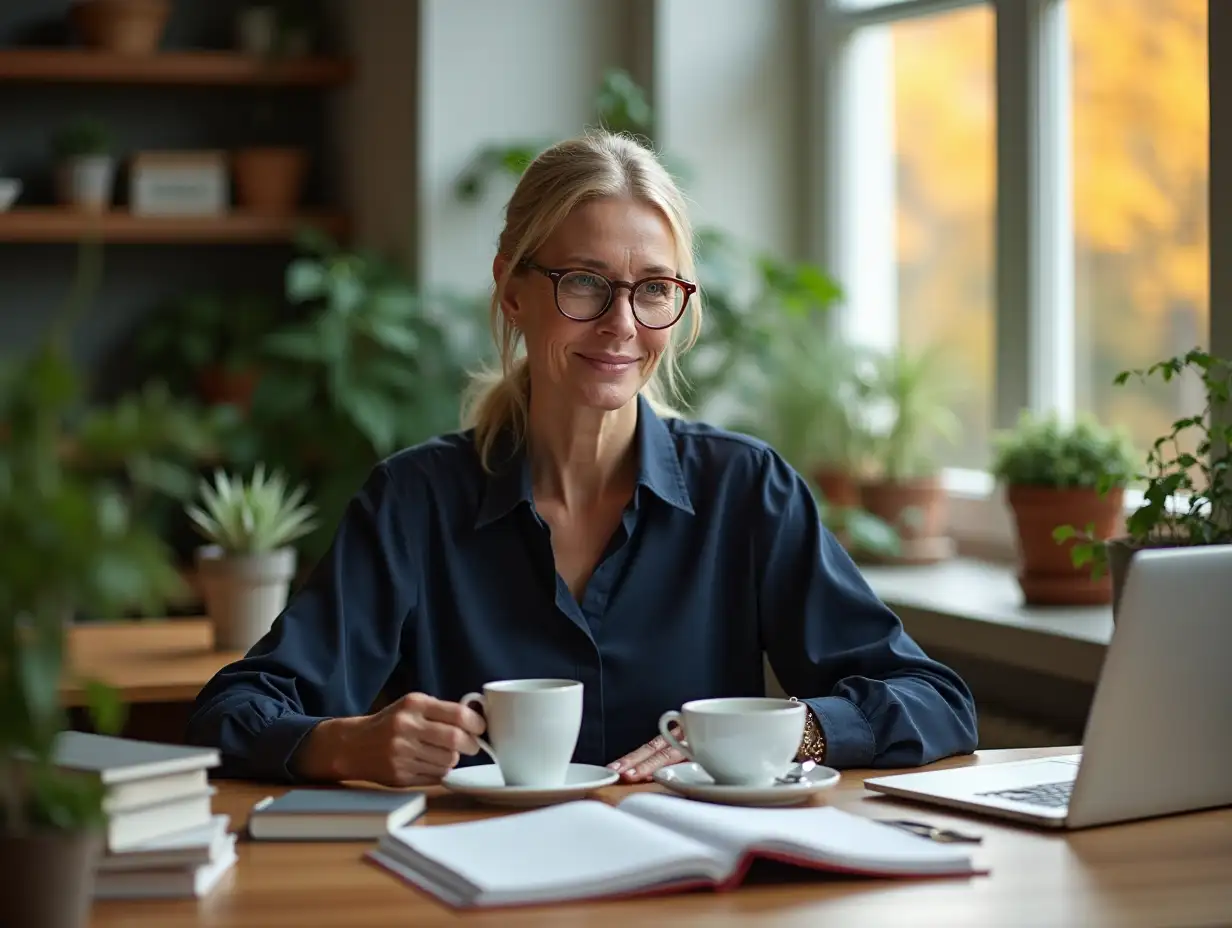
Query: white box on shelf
point(179, 183)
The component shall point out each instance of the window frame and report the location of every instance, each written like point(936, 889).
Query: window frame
point(1033, 294)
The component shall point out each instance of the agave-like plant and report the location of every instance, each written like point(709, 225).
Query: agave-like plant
point(254, 516)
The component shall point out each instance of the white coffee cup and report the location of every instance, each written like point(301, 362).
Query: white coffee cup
point(745, 741)
point(533, 728)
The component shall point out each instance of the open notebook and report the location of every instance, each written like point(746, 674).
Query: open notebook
point(649, 843)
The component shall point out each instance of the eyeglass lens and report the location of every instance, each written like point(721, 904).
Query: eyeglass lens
point(656, 303)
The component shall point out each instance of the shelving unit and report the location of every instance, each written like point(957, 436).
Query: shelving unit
point(200, 68)
point(57, 224)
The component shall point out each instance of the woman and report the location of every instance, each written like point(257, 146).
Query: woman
point(578, 529)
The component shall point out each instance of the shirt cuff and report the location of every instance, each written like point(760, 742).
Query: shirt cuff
point(279, 742)
point(849, 737)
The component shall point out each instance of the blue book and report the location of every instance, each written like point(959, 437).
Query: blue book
point(333, 814)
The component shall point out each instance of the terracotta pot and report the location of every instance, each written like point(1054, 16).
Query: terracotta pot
point(918, 511)
point(220, 386)
point(838, 487)
point(269, 181)
point(1121, 553)
point(48, 878)
point(1047, 574)
point(123, 27)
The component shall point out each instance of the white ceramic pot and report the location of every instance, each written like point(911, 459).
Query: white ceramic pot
point(243, 594)
point(10, 190)
point(87, 182)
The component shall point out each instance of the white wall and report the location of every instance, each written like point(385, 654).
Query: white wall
point(438, 79)
point(491, 71)
point(732, 98)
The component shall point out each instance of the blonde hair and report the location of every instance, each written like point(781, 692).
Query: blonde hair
point(598, 164)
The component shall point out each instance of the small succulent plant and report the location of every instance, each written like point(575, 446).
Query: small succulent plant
point(254, 516)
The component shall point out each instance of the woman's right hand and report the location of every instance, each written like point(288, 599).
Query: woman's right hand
point(414, 741)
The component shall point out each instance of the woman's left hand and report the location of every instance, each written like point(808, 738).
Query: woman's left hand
point(638, 766)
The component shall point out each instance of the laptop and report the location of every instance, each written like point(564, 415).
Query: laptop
point(1158, 737)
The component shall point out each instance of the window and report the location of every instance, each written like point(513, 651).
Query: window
point(1083, 253)
point(1140, 134)
point(920, 151)
point(945, 140)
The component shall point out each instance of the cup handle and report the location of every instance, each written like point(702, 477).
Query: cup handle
point(477, 698)
point(671, 715)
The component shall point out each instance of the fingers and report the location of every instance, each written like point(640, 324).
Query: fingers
point(640, 764)
point(644, 769)
point(418, 764)
point(454, 713)
point(439, 735)
point(633, 758)
point(449, 725)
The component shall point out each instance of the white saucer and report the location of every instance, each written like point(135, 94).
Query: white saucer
point(689, 779)
point(484, 782)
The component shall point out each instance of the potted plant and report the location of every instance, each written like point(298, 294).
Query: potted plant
point(245, 571)
point(85, 165)
point(210, 343)
point(907, 416)
point(1056, 473)
point(74, 543)
point(124, 27)
point(278, 28)
point(1186, 497)
point(805, 402)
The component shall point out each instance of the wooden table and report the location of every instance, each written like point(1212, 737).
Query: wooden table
point(158, 666)
point(1171, 871)
point(164, 660)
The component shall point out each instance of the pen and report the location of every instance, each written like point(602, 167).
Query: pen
point(261, 804)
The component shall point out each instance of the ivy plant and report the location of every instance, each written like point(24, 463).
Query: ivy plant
point(1186, 496)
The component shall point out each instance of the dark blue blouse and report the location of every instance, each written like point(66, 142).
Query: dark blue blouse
point(441, 578)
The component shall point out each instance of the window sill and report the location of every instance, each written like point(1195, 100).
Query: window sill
point(975, 608)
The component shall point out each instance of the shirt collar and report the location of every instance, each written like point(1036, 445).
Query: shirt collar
point(659, 470)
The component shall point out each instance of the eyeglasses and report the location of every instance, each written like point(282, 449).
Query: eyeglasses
point(584, 295)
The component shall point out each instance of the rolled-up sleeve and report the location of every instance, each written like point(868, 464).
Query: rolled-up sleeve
point(881, 701)
point(330, 651)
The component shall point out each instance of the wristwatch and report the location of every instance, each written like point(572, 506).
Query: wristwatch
point(813, 744)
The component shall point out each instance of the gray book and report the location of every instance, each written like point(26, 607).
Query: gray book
point(333, 814)
point(120, 760)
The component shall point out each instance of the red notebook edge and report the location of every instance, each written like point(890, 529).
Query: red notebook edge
point(733, 882)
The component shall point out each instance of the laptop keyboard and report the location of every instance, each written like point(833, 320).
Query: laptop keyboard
point(1052, 795)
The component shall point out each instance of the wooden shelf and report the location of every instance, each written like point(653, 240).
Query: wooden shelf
point(204, 68)
point(57, 224)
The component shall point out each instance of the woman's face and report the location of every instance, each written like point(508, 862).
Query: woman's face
point(600, 363)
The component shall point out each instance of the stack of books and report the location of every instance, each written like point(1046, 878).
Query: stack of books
point(163, 839)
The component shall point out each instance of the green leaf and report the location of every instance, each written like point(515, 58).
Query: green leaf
point(306, 280)
point(295, 345)
point(374, 414)
point(1064, 533)
point(107, 711)
point(394, 336)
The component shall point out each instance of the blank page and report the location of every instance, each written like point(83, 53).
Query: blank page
point(824, 834)
point(541, 853)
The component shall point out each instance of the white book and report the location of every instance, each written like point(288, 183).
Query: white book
point(118, 760)
point(136, 794)
point(191, 882)
point(189, 848)
point(648, 843)
point(132, 828)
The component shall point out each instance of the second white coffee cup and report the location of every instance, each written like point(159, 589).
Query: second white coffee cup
point(739, 741)
point(533, 728)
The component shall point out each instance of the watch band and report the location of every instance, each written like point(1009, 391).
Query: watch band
point(813, 743)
